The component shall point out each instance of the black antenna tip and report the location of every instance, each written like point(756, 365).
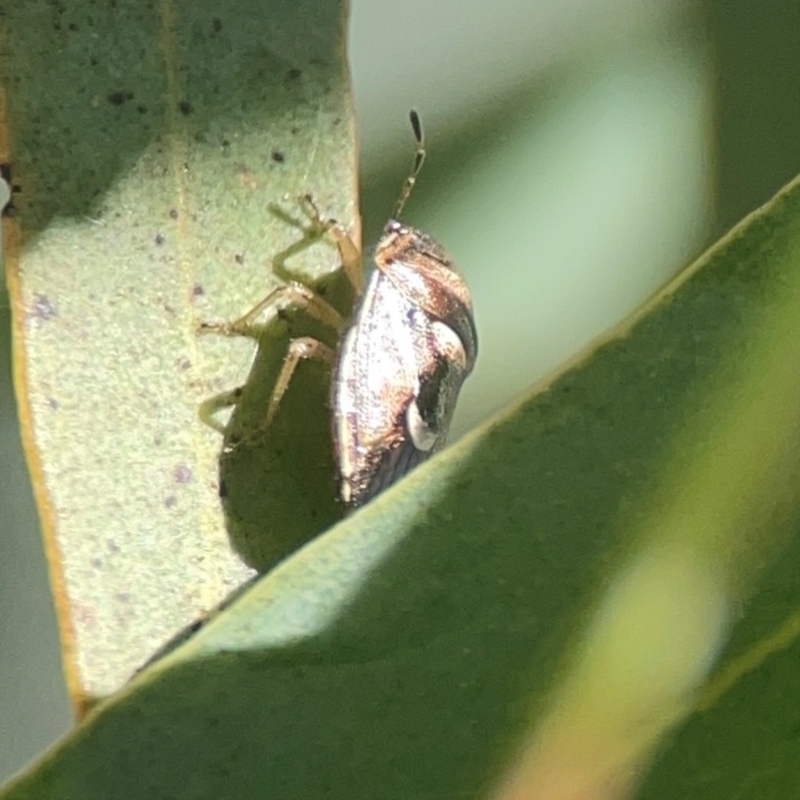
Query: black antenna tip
point(416, 124)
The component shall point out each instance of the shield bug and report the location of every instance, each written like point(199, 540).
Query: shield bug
point(401, 358)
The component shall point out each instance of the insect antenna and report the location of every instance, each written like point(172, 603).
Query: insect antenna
point(419, 158)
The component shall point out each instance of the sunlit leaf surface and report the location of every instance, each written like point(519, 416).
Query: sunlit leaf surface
point(148, 142)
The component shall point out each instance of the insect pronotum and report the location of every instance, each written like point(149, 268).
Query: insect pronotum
point(402, 356)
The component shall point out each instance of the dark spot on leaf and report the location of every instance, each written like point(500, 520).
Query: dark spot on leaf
point(173, 213)
point(198, 290)
point(112, 546)
point(53, 403)
point(93, 61)
point(171, 501)
point(337, 120)
point(184, 364)
point(123, 597)
point(43, 308)
point(223, 489)
point(159, 240)
point(182, 474)
point(278, 157)
point(72, 26)
point(226, 143)
point(237, 392)
point(239, 258)
point(216, 24)
point(97, 563)
point(294, 130)
point(119, 97)
point(293, 74)
point(141, 108)
point(185, 107)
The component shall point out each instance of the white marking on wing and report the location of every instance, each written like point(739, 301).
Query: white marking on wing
point(421, 434)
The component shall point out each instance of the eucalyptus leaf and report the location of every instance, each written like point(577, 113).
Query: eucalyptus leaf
point(149, 143)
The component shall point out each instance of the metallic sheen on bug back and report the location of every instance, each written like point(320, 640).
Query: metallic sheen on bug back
point(407, 350)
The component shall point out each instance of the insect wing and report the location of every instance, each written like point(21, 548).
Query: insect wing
point(398, 375)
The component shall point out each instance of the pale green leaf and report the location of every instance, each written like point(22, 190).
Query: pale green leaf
point(149, 142)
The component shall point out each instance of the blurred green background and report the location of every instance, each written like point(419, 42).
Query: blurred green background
point(580, 152)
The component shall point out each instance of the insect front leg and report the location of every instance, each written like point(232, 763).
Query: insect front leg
point(349, 251)
point(300, 349)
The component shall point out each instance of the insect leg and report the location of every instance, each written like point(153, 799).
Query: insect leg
point(349, 251)
point(289, 295)
point(213, 405)
point(300, 349)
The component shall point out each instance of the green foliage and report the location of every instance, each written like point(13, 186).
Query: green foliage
point(596, 590)
point(147, 171)
point(564, 576)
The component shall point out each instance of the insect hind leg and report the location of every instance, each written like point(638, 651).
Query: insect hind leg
point(301, 349)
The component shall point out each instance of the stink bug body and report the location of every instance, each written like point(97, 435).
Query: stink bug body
point(402, 355)
point(400, 365)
